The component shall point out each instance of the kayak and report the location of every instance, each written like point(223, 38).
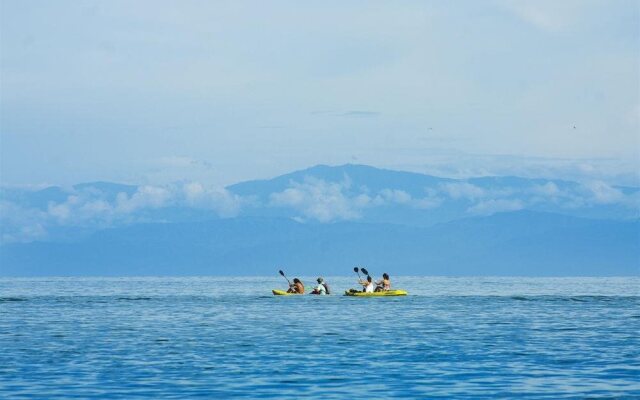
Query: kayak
point(377, 294)
point(277, 292)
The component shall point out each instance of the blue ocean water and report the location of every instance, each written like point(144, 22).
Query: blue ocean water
point(230, 338)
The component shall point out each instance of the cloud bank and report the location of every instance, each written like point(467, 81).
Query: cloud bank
point(98, 206)
point(89, 207)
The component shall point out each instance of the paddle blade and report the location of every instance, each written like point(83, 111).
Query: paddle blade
point(281, 273)
point(364, 271)
point(355, 269)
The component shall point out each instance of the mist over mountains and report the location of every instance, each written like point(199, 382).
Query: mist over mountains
point(324, 220)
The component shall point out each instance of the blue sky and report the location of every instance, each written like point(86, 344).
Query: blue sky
point(156, 91)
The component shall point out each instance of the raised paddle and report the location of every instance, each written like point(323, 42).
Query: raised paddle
point(357, 271)
point(364, 271)
point(282, 273)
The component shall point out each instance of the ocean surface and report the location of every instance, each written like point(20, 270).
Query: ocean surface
point(209, 337)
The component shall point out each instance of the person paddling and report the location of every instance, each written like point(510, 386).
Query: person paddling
point(296, 287)
point(383, 285)
point(322, 287)
point(367, 286)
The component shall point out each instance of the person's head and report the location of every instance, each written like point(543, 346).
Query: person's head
point(385, 276)
point(296, 280)
point(320, 280)
point(368, 278)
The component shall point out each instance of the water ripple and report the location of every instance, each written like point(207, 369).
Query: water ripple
point(80, 338)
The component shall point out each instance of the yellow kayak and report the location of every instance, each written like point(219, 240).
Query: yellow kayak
point(377, 294)
point(277, 292)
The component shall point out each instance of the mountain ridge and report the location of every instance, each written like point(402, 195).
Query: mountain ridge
point(324, 218)
point(495, 245)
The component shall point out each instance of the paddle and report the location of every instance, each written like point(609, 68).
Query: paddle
point(282, 273)
point(364, 270)
point(357, 271)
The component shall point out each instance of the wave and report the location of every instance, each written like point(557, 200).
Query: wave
point(8, 299)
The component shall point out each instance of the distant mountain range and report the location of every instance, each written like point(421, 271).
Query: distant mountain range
point(325, 220)
point(424, 200)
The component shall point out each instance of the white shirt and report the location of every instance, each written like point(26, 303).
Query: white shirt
point(321, 289)
point(369, 288)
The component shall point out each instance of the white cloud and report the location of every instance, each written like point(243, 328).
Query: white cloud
point(88, 207)
point(458, 165)
point(225, 203)
point(395, 196)
point(549, 189)
point(193, 191)
point(62, 211)
point(19, 224)
point(463, 190)
point(312, 199)
point(145, 197)
point(27, 233)
point(602, 193)
point(549, 192)
point(362, 200)
point(331, 201)
point(492, 206)
point(321, 200)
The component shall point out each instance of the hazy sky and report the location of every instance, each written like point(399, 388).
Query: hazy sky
point(156, 91)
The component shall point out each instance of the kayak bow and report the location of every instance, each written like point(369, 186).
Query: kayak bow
point(377, 294)
point(277, 292)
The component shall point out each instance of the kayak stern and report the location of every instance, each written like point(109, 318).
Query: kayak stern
point(277, 292)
